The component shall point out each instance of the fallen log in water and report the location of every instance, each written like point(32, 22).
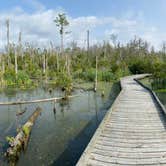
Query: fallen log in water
point(37, 101)
point(21, 140)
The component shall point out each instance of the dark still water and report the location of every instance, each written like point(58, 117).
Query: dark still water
point(56, 139)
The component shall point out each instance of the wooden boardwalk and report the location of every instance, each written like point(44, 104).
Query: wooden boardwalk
point(133, 131)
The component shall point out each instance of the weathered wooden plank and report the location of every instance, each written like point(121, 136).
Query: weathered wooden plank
point(136, 124)
point(127, 145)
point(130, 155)
point(136, 161)
point(135, 130)
point(132, 137)
point(132, 141)
point(135, 133)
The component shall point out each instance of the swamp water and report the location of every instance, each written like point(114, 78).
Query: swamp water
point(57, 138)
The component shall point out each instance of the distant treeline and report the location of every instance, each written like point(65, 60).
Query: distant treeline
point(21, 64)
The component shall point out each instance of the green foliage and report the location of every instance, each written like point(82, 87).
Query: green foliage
point(107, 76)
point(136, 67)
point(10, 76)
point(61, 22)
point(90, 75)
point(52, 62)
point(1, 76)
point(36, 73)
point(159, 70)
point(20, 79)
point(63, 80)
point(140, 65)
point(52, 75)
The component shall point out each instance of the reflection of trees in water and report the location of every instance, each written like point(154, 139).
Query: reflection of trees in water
point(10, 124)
point(89, 109)
point(96, 108)
point(63, 105)
point(62, 111)
point(54, 109)
point(19, 113)
point(8, 109)
point(103, 99)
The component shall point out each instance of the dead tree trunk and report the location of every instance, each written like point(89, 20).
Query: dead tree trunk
point(57, 61)
point(15, 61)
point(88, 47)
point(68, 65)
point(8, 43)
point(3, 64)
point(20, 45)
point(95, 87)
point(62, 49)
point(44, 64)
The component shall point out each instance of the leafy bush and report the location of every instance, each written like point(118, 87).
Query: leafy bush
point(10, 76)
point(85, 75)
point(34, 73)
point(20, 79)
point(159, 70)
point(140, 65)
point(91, 74)
point(107, 76)
point(63, 80)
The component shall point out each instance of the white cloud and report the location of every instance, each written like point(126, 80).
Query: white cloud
point(35, 4)
point(38, 27)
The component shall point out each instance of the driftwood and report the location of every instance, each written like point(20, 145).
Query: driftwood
point(37, 101)
point(21, 140)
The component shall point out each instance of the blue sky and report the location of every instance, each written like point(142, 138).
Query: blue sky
point(126, 18)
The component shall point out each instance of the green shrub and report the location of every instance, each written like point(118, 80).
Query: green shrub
point(107, 76)
point(22, 78)
point(10, 76)
point(63, 80)
point(141, 65)
point(90, 75)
